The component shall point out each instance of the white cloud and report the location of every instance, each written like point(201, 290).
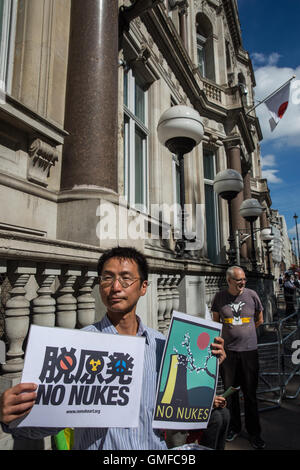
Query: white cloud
point(269, 171)
point(258, 58)
point(268, 160)
point(266, 60)
point(269, 77)
point(271, 176)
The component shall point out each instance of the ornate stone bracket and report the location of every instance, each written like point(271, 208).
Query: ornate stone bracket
point(181, 4)
point(136, 9)
point(42, 158)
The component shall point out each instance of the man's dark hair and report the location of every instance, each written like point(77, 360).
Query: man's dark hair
point(125, 253)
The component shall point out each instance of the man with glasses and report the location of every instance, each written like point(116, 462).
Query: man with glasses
point(240, 311)
point(123, 279)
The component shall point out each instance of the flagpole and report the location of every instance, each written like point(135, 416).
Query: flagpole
point(273, 93)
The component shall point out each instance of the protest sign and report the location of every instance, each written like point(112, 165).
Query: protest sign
point(85, 379)
point(188, 375)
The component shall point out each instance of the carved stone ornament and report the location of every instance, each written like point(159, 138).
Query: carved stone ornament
point(42, 158)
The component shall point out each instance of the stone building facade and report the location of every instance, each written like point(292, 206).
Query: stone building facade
point(83, 85)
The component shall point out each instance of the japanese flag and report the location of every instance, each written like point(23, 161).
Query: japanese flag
point(277, 105)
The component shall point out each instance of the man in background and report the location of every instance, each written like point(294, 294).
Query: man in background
point(240, 311)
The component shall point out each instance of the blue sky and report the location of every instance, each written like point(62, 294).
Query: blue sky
point(271, 35)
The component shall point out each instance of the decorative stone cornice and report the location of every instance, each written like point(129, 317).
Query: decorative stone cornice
point(233, 22)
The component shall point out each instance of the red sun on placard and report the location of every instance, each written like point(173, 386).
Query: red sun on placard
point(203, 340)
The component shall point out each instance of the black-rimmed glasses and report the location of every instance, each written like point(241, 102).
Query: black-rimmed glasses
point(126, 281)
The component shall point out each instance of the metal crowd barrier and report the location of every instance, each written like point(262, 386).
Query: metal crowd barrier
point(277, 368)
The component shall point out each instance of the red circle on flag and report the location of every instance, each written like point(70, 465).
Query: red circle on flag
point(203, 340)
point(282, 109)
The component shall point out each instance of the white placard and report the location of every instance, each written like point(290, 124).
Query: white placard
point(85, 379)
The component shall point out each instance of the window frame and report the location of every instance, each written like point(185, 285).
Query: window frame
point(133, 125)
point(201, 41)
point(216, 209)
point(7, 44)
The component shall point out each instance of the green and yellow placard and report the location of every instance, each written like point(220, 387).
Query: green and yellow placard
point(188, 375)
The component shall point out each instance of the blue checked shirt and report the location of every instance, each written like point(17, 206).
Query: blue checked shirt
point(141, 438)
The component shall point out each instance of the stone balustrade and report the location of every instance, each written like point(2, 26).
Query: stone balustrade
point(212, 91)
point(168, 299)
point(42, 294)
point(213, 284)
point(65, 296)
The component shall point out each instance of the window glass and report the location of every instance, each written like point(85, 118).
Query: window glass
point(1, 20)
point(139, 167)
point(7, 40)
point(209, 166)
point(139, 102)
point(211, 232)
point(135, 142)
point(201, 54)
point(126, 88)
point(211, 207)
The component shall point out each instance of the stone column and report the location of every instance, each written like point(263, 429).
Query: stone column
point(91, 117)
point(264, 223)
point(233, 151)
point(183, 25)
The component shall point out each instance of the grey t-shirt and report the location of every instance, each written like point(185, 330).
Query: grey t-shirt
point(238, 315)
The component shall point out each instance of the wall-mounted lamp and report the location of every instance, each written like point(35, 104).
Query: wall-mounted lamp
point(180, 129)
point(267, 237)
point(251, 209)
point(228, 184)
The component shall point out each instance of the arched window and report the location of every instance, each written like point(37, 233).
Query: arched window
point(205, 52)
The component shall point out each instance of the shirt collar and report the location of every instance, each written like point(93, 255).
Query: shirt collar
point(108, 327)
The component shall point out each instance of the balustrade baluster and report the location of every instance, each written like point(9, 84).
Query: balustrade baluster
point(66, 301)
point(44, 305)
point(17, 319)
point(162, 300)
point(86, 301)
